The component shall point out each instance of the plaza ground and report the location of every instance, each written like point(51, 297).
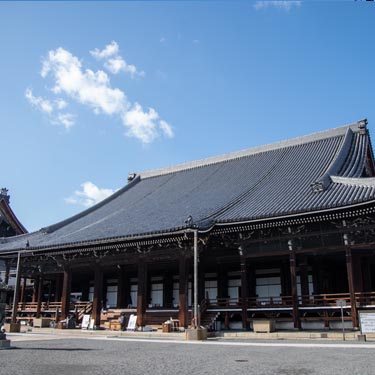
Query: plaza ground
point(48, 353)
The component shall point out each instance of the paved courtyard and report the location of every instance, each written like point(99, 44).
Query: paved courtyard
point(49, 354)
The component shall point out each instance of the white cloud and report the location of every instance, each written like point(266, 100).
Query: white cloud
point(162, 40)
point(49, 107)
point(145, 125)
point(111, 49)
point(166, 128)
point(285, 5)
point(65, 119)
point(89, 195)
point(114, 63)
point(94, 90)
point(61, 104)
point(118, 64)
point(86, 87)
point(196, 41)
point(40, 103)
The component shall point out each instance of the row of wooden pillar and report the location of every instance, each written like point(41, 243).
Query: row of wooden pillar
point(63, 289)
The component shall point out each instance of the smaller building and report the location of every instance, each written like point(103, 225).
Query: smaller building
point(9, 226)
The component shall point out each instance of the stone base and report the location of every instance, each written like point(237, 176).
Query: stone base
point(12, 327)
point(196, 334)
point(4, 344)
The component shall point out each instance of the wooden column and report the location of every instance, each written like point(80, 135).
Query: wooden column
point(16, 297)
point(293, 281)
point(183, 291)
point(58, 287)
point(244, 292)
point(7, 271)
point(65, 297)
point(142, 292)
point(40, 296)
point(121, 281)
point(98, 295)
point(349, 269)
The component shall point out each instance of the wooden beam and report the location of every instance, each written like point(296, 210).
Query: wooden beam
point(349, 268)
point(65, 297)
point(142, 292)
point(98, 295)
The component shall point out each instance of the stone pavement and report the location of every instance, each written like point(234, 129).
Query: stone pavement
point(91, 354)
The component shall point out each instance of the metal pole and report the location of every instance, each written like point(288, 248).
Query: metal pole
point(342, 322)
point(16, 287)
point(195, 279)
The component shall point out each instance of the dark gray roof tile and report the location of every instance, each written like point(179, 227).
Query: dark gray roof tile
point(264, 182)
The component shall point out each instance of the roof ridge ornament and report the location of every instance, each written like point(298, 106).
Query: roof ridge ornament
point(362, 126)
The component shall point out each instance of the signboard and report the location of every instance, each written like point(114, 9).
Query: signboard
point(91, 325)
point(132, 323)
point(367, 321)
point(340, 302)
point(85, 321)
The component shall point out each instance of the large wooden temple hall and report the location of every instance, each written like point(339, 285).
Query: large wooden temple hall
point(284, 231)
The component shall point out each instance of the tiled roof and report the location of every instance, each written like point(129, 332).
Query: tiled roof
point(311, 173)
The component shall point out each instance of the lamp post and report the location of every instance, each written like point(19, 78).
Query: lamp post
point(196, 333)
point(16, 289)
point(195, 278)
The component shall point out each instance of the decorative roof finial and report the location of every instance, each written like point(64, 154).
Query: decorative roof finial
point(4, 194)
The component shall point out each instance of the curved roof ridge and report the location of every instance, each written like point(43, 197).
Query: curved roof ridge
point(10, 215)
point(251, 151)
point(357, 181)
point(323, 181)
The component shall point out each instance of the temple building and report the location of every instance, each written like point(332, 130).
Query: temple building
point(284, 231)
point(9, 226)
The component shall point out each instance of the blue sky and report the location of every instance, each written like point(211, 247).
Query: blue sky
point(91, 91)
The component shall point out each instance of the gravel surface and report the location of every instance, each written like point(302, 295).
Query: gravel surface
point(100, 356)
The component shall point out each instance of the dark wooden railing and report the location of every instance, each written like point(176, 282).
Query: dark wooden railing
point(315, 300)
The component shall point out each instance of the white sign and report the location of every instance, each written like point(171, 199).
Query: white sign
point(91, 325)
point(367, 322)
point(132, 323)
point(340, 302)
point(85, 321)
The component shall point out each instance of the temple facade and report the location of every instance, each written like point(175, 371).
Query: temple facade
point(285, 232)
